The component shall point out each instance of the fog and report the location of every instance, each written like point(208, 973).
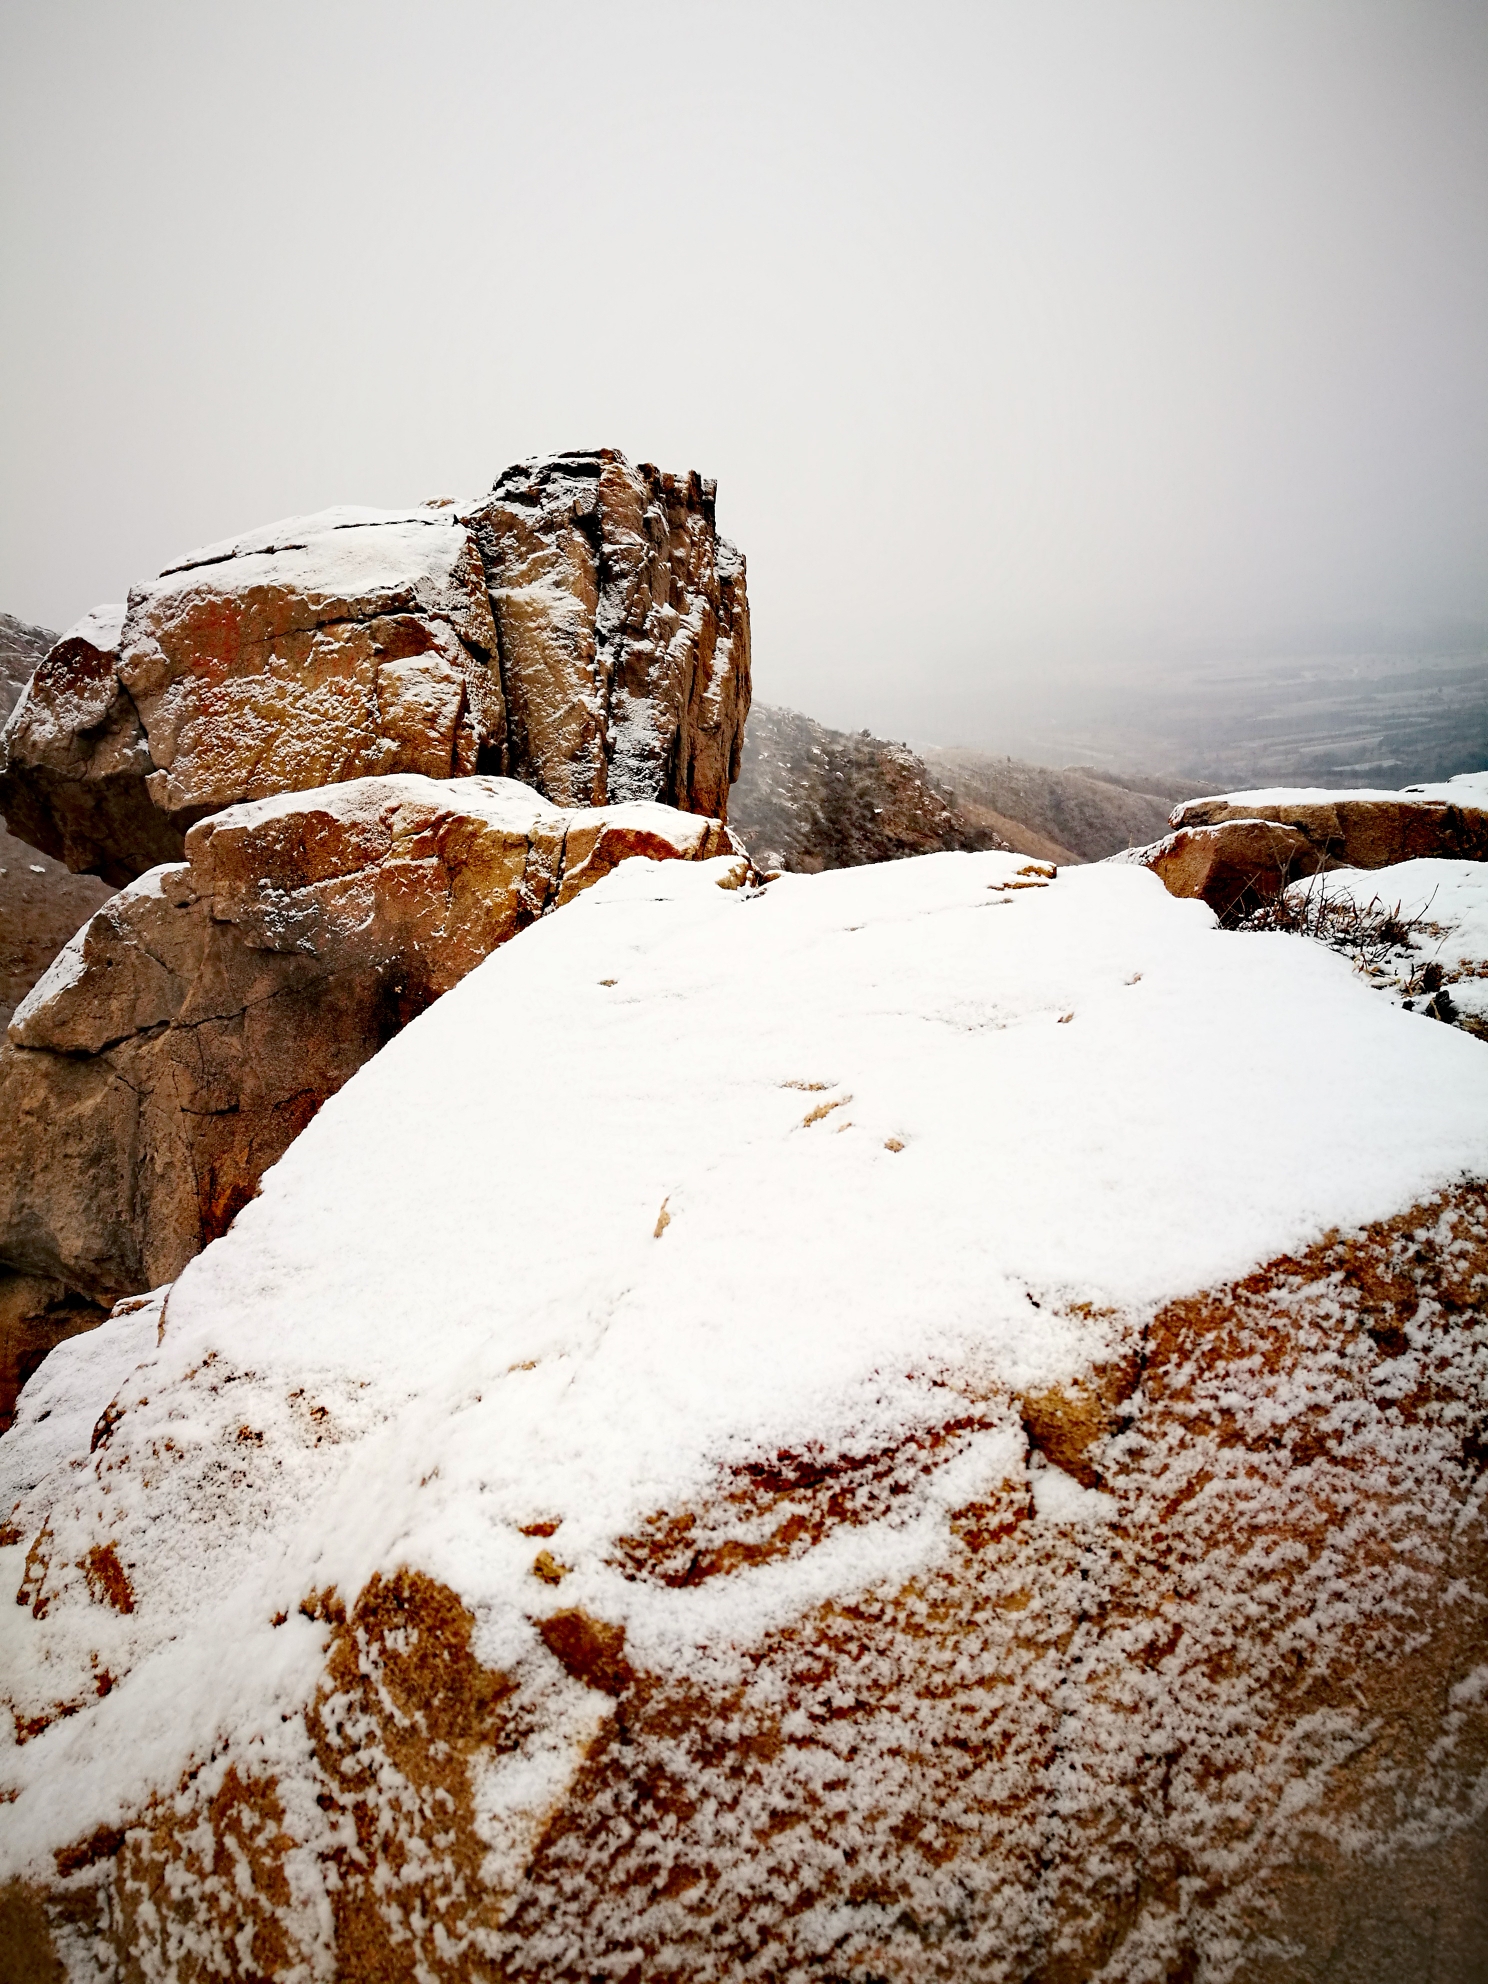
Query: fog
point(1031, 345)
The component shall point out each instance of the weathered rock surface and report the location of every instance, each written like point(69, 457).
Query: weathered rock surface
point(331, 647)
point(623, 625)
point(41, 905)
point(1373, 830)
point(809, 798)
point(987, 1530)
point(1236, 866)
point(1241, 851)
point(22, 645)
point(195, 1025)
point(358, 643)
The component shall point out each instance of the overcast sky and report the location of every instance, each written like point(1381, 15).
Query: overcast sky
point(1021, 338)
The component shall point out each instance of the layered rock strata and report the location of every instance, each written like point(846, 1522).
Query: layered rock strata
point(584, 628)
point(190, 1031)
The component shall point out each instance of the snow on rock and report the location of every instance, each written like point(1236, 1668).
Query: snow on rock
point(1240, 851)
point(188, 1032)
point(583, 627)
point(713, 1456)
point(1467, 789)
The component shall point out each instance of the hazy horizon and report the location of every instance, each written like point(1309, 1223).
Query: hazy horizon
point(1037, 350)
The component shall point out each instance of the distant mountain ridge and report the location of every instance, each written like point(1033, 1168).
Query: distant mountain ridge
point(809, 798)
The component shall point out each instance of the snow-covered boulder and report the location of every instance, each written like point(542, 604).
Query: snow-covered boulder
point(197, 1022)
point(358, 643)
point(336, 646)
point(1239, 852)
point(923, 1422)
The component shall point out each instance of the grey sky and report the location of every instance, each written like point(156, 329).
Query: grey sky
point(1021, 338)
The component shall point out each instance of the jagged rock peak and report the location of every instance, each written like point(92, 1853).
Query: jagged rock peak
point(623, 625)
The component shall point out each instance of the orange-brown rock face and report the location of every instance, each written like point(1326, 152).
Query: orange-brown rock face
point(1234, 867)
point(359, 643)
point(1221, 1715)
point(623, 624)
point(1373, 832)
point(200, 1019)
point(1240, 853)
point(331, 647)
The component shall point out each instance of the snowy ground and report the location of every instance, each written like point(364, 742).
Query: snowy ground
point(1417, 931)
point(682, 1174)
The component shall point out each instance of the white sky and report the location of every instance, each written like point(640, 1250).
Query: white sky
point(1021, 338)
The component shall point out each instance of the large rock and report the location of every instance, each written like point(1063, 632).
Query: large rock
point(358, 643)
point(190, 1031)
point(331, 647)
point(75, 764)
point(41, 905)
point(1241, 851)
point(891, 1426)
point(1236, 867)
point(623, 625)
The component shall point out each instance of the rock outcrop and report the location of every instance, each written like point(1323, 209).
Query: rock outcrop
point(351, 643)
point(809, 798)
point(623, 626)
point(190, 1031)
point(1362, 830)
point(758, 1442)
point(1241, 851)
point(584, 628)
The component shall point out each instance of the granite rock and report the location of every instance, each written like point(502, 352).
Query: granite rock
point(199, 1020)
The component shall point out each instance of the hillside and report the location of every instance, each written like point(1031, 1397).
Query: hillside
point(810, 798)
point(21, 647)
point(1089, 813)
